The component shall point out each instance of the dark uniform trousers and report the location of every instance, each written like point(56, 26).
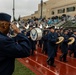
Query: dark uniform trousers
point(45, 40)
point(11, 48)
point(33, 43)
point(45, 44)
point(64, 48)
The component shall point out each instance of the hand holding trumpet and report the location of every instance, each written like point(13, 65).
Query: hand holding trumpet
point(15, 28)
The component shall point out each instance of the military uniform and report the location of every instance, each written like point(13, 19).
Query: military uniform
point(56, 48)
point(33, 43)
point(64, 48)
point(11, 48)
point(52, 38)
point(73, 47)
point(45, 40)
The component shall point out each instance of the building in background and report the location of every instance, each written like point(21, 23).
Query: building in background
point(55, 8)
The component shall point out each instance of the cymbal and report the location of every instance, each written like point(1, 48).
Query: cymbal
point(61, 39)
point(72, 39)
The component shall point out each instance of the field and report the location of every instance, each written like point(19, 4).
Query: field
point(21, 69)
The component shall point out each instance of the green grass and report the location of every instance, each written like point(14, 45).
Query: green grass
point(21, 69)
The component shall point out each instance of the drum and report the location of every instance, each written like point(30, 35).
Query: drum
point(36, 34)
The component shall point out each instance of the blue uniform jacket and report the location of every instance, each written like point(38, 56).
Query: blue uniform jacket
point(11, 48)
point(64, 45)
point(52, 38)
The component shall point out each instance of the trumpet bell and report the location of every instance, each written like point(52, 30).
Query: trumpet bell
point(17, 25)
point(72, 39)
point(61, 39)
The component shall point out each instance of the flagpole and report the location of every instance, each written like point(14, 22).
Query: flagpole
point(41, 8)
point(13, 10)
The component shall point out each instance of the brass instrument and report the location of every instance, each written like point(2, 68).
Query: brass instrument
point(71, 40)
point(61, 39)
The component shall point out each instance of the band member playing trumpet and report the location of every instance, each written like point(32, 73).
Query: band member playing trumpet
point(11, 48)
point(51, 46)
point(64, 46)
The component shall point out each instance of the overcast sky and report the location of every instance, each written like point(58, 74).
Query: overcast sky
point(23, 7)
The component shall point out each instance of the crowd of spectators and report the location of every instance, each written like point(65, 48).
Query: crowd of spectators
point(43, 22)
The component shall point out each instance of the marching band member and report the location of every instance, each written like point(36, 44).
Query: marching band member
point(51, 46)
point(61, 31)
point(64, 46)
point(70, 33)
point(57, 34)
point(33, 43)
point(45, 33)
point(10, 48)
point(73, 46)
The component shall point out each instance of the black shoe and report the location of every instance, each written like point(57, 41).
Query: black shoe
point(65, 61)
point(48, 59)
point(32, 54)
point(53, 65)
point(60, 59)
point(48, 62)
point(70, 55)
